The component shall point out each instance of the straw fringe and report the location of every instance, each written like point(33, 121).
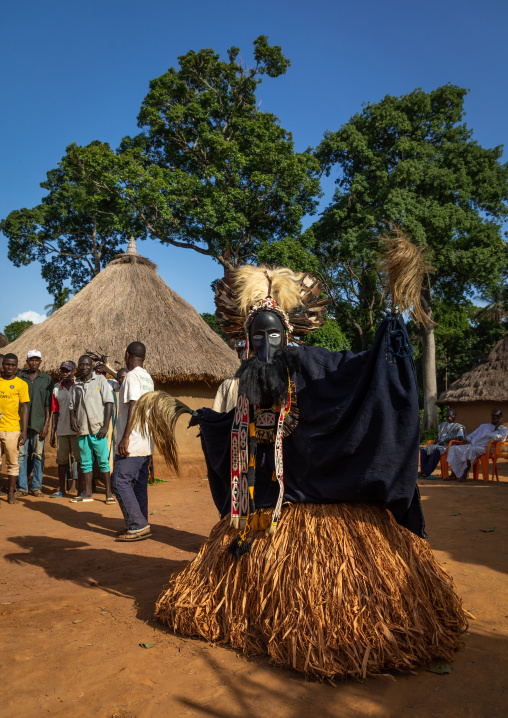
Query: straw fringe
point(157, 413)
point(339, 590)
point(405, 265)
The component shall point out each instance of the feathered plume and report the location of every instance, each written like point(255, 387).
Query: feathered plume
point(296, 293)
point(405, 265)
point(255, 283)
point(158, 413)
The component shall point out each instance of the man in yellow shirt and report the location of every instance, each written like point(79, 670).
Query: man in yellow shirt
point(14, 400)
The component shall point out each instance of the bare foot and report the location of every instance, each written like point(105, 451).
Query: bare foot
point(12, 500)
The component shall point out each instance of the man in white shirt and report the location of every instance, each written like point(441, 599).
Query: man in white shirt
point(115, 384)
point(130, 471)
point(462, 457)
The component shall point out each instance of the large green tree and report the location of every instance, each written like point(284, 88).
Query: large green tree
point(495, 302)
point(77, 228)
point(209, 170)
point(464, 336)
point(410, 161)
point(15, 329)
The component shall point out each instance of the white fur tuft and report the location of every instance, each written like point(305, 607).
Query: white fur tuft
point(253, 284)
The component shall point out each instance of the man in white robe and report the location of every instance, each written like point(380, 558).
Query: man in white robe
point(462, 457)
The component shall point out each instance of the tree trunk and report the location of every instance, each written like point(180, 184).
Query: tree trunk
point(427, 337)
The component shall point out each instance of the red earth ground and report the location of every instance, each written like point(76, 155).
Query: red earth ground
point(75, 606)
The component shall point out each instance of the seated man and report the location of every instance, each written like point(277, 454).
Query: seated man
point(446, 432)
point(462, 457)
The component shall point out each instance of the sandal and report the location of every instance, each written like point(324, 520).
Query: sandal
point(20, 494)
point(111, 500)
point(135, 535)
point(56, 495)
point(37, 493)
point(132, 537)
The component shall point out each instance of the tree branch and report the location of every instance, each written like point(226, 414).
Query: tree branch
point(184, 245)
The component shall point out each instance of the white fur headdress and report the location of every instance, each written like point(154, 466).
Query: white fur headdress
point(248, 290)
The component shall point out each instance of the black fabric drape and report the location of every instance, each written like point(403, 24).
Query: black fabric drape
point(357, 438)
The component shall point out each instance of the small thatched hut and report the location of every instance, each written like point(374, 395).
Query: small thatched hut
point(481, 389)
point(126, 302)
point(3, 341)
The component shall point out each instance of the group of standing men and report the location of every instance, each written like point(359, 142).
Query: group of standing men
point(83, 408)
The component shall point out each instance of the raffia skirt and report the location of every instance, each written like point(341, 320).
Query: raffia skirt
point(338, 590)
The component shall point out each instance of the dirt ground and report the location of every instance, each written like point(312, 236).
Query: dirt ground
point(75, 605)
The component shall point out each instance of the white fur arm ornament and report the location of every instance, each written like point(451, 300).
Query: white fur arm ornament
point(157, 413)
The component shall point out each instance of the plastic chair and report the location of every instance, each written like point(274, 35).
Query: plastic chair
point(483, 463)
point(492, 453)
point(495, 455)
point(444, 463)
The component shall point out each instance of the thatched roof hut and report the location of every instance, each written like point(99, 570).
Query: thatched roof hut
point(481, 389)
point(3, 341)
point(126, 302)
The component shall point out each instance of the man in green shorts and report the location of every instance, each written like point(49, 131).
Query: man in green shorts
point(90, 410)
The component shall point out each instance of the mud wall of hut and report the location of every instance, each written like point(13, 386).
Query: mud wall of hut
point(473, 413)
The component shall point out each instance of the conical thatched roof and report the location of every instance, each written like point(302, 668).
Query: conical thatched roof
point(487, 381)
point(3, 340)
point(127, 302)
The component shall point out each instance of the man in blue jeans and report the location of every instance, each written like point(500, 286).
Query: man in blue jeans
point(31, 453)
point(130, 470)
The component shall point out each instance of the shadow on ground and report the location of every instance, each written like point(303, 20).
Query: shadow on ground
point(77, 517)
point(463, 693)
point(468, 521)
point(133, 576)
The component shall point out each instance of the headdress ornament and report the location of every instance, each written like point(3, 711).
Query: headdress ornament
point(248, 290)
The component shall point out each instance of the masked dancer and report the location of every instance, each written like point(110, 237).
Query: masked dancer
point(320, 559)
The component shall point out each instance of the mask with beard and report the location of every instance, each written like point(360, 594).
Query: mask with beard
point(266, 383)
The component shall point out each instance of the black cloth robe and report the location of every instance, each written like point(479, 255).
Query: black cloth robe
point(357, 437)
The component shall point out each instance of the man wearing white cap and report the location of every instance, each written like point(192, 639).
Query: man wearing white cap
point(31, 454)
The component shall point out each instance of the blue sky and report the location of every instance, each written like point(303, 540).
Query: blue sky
point(79, 71)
